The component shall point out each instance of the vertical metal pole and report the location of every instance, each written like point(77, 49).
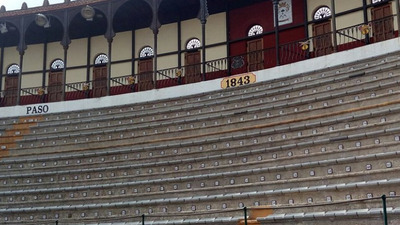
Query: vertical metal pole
point(44, 64)
point(305, 2)
point(203, 49)
point(384, 210)
point(203, 19)
point(64, 71)
point(21, 61)
point(143, 219)
point(228, 46)
point(88, 57)
point(155, 58)
point(110, 40)
point(179, 43)
point(133, 52)
point(1, 67)
point(334, 25)
point(275, 2)
point(245, 215)
point(56, 222)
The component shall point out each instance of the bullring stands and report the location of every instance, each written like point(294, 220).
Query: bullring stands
point(318, 148)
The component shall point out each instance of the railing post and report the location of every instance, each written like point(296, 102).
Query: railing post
point(384, 210)
point(143, 219)
point(56, 222)
point(245, 215)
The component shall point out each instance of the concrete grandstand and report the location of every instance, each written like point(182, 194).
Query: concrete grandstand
point(169, 112)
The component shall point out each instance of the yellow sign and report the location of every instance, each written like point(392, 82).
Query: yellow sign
point(238, 80)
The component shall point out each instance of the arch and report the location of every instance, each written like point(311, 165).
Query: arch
point(171, 11)
point(133, 14)
point(57, 65)
point(322, 13)
point(80, 27)
point(10, 35)
point(52, 32)
point(101, 59)
point(193, 43)
point(255, 30)
point(146, 52)
point(13, 69)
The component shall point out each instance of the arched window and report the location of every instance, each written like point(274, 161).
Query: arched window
point(57, 65)
point(146, 52)
point(101, 59)
point(255, 30)
point(322, 12)
point(378, 1)
point(13, 69)
point(193, 44)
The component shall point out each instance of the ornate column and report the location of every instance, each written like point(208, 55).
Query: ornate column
point(203, 15)
point(334, 38)
point(21, 49)
point(276, 19)
point(110, 40)
point(155, 26)
point(65, 47)
point(65, 42)
point(110, 34)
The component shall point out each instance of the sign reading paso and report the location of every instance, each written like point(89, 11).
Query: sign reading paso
point(238, 80)
point(40, 109)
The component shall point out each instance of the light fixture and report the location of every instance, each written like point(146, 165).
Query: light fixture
point(88, 13)
point(42, 20)
point(3, 28)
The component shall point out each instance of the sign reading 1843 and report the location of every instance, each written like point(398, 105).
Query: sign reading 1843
point(238, 80)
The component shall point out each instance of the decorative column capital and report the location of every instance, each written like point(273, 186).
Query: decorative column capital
point(203, 13)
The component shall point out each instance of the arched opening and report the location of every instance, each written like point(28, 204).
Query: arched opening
point(100, 75)
point(255, 46)
point(48, 29)
point(172, 11)
point(55, 85)
point(193, 61)
point(145, 75)
point(322, 31)
point(134, 14)
point(11, 85)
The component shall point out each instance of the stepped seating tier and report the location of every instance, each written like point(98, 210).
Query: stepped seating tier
point(308, 148)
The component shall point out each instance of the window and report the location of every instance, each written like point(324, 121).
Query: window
point(377, 1)
point(101, 59)
point(146, 52)
point(57, 65)
point(13, 69)
point(193, 44)
point(255, 30)
point(322, 13)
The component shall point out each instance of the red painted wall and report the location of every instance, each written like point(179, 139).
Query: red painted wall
point(242, 19)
